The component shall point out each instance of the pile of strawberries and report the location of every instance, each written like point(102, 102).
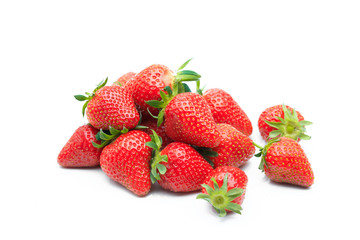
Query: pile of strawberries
point(149, 127)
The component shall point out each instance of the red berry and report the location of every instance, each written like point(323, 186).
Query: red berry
point(147, 86)
point(127, 161)
point(124, 79)
point(283, 160)
point(188, 119)
point(235, 148)
point(79, 150)
point(226, 110)
point(112, 106)
point(186, 169)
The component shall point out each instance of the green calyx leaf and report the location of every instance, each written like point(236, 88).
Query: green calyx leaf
point(184, 65)
point(220, 198)
point(198, 89)
point(81, 97)
point(157, 168)
point(289, 126)
point(90, 95)
point(156, 103)
point(187, 76)
point(107, 137)
point(206, 153)
point(186, 87)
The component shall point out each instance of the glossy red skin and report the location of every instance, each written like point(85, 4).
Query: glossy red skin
point(151, 123)
point(226, 110)
point(124, 79)
point(186, 168)
point(127, 161)
point(287, 162)
point(147, 85)
point(188, 119)
point(270, 114)
point(79, 151)
point(236, 179)
point(112, 106)
point(235, 148)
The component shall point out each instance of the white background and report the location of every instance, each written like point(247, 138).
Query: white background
point(305, 54)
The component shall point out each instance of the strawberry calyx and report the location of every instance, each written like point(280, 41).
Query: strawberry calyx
point(178, 87)
point(108, 136)
point(155, 163)
point(289, 126)
point(206, 153)
point(89, 96)
point(262, 152)
point(220, 198)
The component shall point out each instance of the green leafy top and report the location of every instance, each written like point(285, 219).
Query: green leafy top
point(155, 164)
point(289, 126)
point(220, 198)
point(206, 153)
point(178, 87)
point(89, 96)
point(107, 137)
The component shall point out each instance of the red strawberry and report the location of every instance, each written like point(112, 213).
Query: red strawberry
point(283, 160)
point(225, 110)
point(124, 79)
point(147, 86)
point(235, 147)
point(79, 151)
point(151, 82)
point(110, 106)
point(282, 121)
point(127, 161)
point(151, 123)
point(178, 167)
point(225, 189)
point(188, 119)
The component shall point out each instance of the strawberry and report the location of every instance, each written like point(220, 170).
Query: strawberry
point(225, 189)
point(178, 167)
point(124, 79)
point(79, 151)
point(148, 84)
point(187, 115)
point(127, 81)
point(226, 110)
point(282, 121)
point(188, 119)
point(110, 106)
point(151, 124)
point(235, 147)
point(283, 160)
point(127, 161)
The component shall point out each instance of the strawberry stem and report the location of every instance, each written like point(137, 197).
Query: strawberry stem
point(256, 145)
